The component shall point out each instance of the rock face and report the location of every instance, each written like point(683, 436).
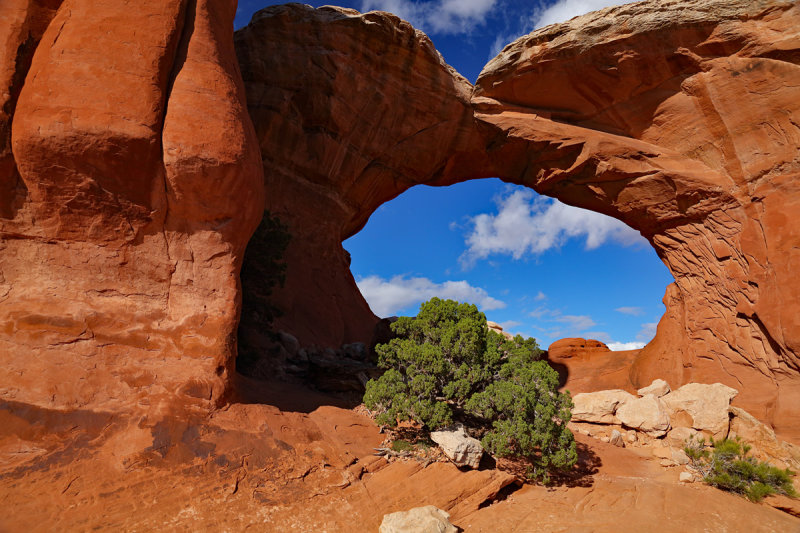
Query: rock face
point(680, 119)
point(350, 111)
point(428, 519)
point(124, 210)
point(635, 111)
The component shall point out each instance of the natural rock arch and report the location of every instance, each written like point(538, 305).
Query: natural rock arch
point(635, 112)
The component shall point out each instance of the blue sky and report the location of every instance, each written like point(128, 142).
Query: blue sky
point(538, 267)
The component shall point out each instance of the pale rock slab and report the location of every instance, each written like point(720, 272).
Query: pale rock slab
point(428, 519)
point(657, 388)
point(458, 446)
point(599, 407)
point(706, 407)
point(646, 414)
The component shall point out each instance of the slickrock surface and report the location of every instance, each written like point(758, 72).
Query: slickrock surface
point(296, 462)
point(137, 184)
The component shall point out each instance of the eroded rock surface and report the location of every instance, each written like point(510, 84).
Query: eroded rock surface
point(136, 183)
point(680, 119)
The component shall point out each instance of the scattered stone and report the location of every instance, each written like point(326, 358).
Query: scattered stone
point(428, 519)
point(616, 439)
point(662, 452)
point(668, 462)
point(686, 477)
point(645, 414)
point(631, 436)
point(705, 406)
point(680, 457)
point(599, 407)
point(680, 436)
point(458, 446)
point(657, 388)
point(605, 439)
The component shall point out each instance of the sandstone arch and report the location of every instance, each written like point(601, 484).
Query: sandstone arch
point(636, 112)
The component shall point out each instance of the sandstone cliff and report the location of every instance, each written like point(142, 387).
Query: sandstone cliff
point(132, 190)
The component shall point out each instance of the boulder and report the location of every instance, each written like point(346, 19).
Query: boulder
point(685, 477)
point(702, 407)
point(428, 519)
point(616, 439)
point(680, 436)
point(657, 388)
point(766, 446)
point(599, 407)
point(646, 414)
point(458, 446)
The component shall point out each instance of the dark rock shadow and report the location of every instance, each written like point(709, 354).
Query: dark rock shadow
point(582, 474)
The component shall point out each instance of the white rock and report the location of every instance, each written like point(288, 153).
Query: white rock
point(458, 446)
point(680, 437)
point(599, 407)
point(686, 477)
point(645, 414)
point(428, 519)
point(657, 388)
point(703, 407)
point(616, 439)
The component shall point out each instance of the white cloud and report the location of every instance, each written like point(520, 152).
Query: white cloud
point(436, 16)
point(623, 346)
point(530, 224)
point(540, 296)
point(576, 322)
point(633, 311)
point(387, 297)
point(563, 10)
point(647, 332)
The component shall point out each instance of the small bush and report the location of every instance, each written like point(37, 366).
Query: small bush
point(727, 466)
point(446, 364)
point(402, 446)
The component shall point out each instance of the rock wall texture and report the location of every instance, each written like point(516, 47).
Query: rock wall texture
point(684, 122)
point(129, 185)
point(679, 118)
point(350, 110)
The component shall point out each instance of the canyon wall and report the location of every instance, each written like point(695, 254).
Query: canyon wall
point(130, 182)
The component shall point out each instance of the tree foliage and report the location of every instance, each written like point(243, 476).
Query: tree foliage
point(727, 466)
point(446, 364)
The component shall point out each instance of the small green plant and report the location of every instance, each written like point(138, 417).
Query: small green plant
point(725, 464)
point(446, 365)
point(402, 446)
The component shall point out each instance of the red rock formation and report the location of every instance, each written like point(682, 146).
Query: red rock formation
point(588, 365)
point(119, 255)
point(350, 110)
point(636, 112)
point(683, 124)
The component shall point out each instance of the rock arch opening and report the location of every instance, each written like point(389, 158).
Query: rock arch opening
point(353, 109)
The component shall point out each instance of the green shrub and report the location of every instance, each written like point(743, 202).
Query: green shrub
point(727, 466)
point(446, 364)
